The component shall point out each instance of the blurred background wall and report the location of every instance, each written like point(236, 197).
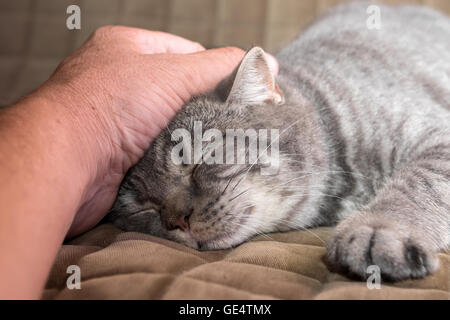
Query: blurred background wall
point(34, 37)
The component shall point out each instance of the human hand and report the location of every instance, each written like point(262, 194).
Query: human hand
point(121, 88)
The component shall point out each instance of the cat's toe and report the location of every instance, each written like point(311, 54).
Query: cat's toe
point(420, 261)
point(349, 250)
point(401, 256)
point(398, 255)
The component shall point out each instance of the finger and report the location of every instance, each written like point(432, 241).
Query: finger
point(212, 66)
point(204, 70)
point(149, 42)
point(152, 42)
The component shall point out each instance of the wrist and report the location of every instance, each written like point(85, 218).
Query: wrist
point(95, 149)
point(44, 180)
point(75, 133)
point(84, 125)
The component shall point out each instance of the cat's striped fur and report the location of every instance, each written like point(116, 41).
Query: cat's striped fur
point(365, 138)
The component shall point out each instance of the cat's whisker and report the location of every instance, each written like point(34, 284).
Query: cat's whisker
point(287, 182)
point(296, 226)
point(318, 193)
point(240, 180)
point(293, 225)
point(324, 169)
point(286, 223)
point(264, 151)
point(226, 187)
point(167, 128)
point(240, 194)
point(254, 231)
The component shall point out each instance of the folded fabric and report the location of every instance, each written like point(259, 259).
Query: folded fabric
point(127, 265)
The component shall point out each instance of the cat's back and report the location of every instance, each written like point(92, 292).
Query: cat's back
point(407, 32)
point(405, 61)
point(378, 94)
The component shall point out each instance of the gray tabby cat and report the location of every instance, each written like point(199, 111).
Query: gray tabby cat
point(364, 120)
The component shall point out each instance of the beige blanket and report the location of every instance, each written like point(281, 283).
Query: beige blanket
point(127, 265)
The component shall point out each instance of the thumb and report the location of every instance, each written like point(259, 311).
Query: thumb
point(211, 66)
point(208, 68)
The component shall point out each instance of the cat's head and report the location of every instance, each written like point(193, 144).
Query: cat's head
point(207, 204)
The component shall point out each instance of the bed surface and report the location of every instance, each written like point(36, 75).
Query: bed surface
point(128, 265)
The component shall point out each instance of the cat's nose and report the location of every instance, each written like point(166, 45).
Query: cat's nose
point(180, 221)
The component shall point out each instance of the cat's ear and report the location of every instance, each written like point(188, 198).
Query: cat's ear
point(252, 83)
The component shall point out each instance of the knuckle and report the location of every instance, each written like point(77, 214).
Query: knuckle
point(104, 31)
point(234, 50)
point(199, 46)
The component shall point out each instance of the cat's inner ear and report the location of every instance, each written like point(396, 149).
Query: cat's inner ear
point(252, 83)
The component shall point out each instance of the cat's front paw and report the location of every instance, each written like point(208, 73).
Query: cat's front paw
point(398, 250)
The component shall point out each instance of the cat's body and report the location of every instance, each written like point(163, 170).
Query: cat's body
point(364, 138)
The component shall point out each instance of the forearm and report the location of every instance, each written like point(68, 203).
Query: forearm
point(43, 183)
